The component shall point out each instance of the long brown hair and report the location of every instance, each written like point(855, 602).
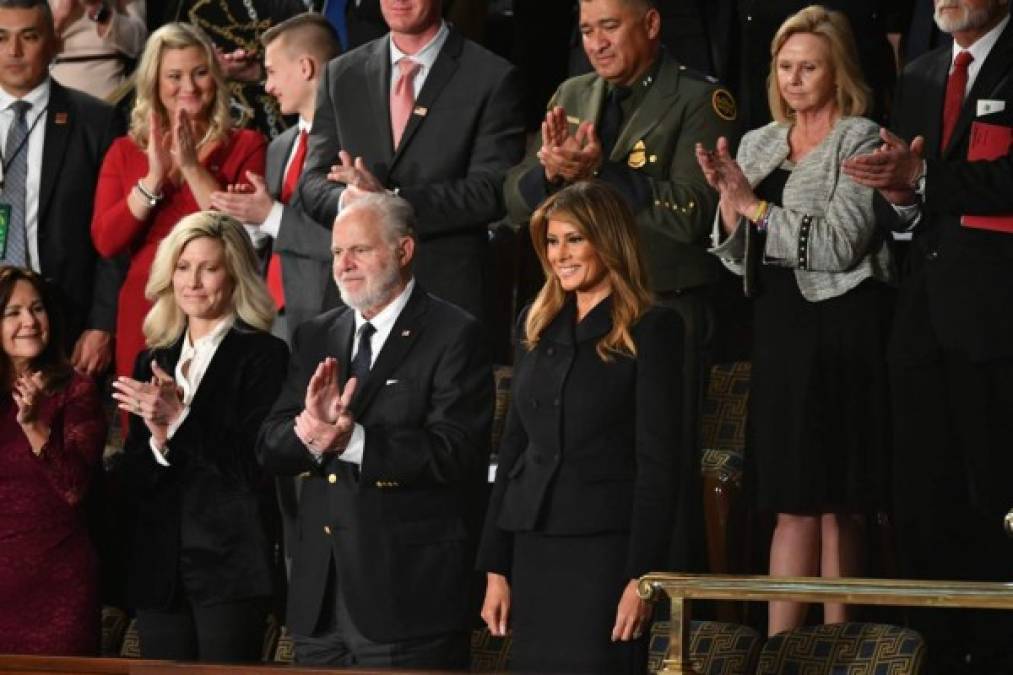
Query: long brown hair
point(603, 218)
point(52, 361)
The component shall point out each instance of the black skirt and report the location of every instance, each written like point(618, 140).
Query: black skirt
point(818, 425)
point(565, 591)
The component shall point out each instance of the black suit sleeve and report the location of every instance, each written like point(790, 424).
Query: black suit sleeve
point(280, 451)
point(495, 551)
point(476, 197)
point(658, 440)
point(319, 196)
point(109, 272)
point(453, 442)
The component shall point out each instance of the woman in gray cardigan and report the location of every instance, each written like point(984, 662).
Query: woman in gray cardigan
point(804, 236)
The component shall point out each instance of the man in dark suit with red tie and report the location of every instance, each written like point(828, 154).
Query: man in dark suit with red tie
point(951, 356)
point(427, 114)
point(382, 561)
point(298, 272)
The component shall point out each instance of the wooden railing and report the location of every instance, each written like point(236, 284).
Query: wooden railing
point(682, 588)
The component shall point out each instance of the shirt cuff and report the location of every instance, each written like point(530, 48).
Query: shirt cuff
point(356, 445)
point(272, 224)
point(159, 455)
point(909, 214)
point(257, 238)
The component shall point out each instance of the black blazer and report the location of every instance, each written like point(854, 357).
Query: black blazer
point(958, 289)
point(466, 132)
point(79, 130)
point(204, 520)
point(394, 528)
point(590, 446)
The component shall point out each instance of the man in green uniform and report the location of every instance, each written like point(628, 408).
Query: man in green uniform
point(633, 123)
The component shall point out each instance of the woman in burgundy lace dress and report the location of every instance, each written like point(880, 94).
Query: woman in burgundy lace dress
point(52, 430)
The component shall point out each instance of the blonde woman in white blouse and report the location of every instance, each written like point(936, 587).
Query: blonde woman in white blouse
point(204, 526)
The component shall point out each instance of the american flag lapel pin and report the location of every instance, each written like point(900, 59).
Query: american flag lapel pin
point(421, 111)
point(406, 333)
point(60, 118)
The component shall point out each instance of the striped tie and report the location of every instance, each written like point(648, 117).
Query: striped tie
point(15, 180)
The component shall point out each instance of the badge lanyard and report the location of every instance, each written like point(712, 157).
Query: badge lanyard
point(4, 163)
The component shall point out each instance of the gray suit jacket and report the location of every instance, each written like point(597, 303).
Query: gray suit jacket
point(303, 244)
point(465, 132)
point(826, 227)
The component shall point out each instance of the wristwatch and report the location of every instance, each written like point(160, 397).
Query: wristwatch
point(100, 14)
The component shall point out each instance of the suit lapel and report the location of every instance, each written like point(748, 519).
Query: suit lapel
point(657, 102)
point(339, 343)
point(59, 121)
point(443, 71)
point(993, 71)
point(935, 94)
point(403, 335)
point(277, 156)
point(378, 84)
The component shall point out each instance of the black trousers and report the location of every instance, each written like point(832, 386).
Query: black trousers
point(952, 472)
point(338, 642)
point(230, 632)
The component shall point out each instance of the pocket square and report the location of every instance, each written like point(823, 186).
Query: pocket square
point(987, 106)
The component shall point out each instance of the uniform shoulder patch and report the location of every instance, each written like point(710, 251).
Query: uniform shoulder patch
point(724, 104)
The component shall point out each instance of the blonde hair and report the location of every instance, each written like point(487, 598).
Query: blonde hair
point(176, 36)
point(603, 218)
point(251, 302)
point(852, 93)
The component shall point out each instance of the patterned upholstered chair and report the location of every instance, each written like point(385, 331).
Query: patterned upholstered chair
point(502, 376)
point(488, 653)
point(723, 439)
point(844, 649)
point(131, 647)
point(285, 651)
point(114, 626)
point(715, 648)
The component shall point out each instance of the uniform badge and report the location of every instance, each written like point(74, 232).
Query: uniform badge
point(724, 104)
point(638, 155)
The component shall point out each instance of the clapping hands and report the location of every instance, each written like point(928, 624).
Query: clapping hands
point(326, 422)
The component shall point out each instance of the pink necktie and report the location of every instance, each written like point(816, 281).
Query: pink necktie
point(402, 99)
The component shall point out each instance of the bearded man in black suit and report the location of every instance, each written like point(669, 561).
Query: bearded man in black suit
point(391, 446)
point(951, 356)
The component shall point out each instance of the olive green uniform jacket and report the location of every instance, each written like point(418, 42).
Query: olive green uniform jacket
point(653, 163)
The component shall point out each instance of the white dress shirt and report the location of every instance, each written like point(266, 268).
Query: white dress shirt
point(383, 323)
point(194, 359)
point(36, 120)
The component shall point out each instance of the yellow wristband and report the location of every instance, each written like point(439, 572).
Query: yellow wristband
point(761, 209)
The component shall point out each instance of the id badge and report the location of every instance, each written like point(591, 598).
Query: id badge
point(5, 222)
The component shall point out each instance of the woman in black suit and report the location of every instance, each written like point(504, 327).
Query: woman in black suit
point(201, 553)
point(584, 496)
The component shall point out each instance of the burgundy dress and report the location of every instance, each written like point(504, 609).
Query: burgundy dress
point(48, 570)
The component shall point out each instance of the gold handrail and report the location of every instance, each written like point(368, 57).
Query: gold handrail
point(681, 588)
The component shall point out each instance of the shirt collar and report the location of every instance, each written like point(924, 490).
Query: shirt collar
point(212, 339)
point(425, 56)
point(38, 97)
point(305, 125)
point(983, 45)
point(385, 319)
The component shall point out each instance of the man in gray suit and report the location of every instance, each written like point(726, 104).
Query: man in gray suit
point(298, 271)
point(437, 119)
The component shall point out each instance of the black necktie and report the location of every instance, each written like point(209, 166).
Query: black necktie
point(612, 119)
point(364, 356)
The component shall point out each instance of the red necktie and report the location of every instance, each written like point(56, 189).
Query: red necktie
point(274, 280)
point(954, 101)
point(402, 99)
